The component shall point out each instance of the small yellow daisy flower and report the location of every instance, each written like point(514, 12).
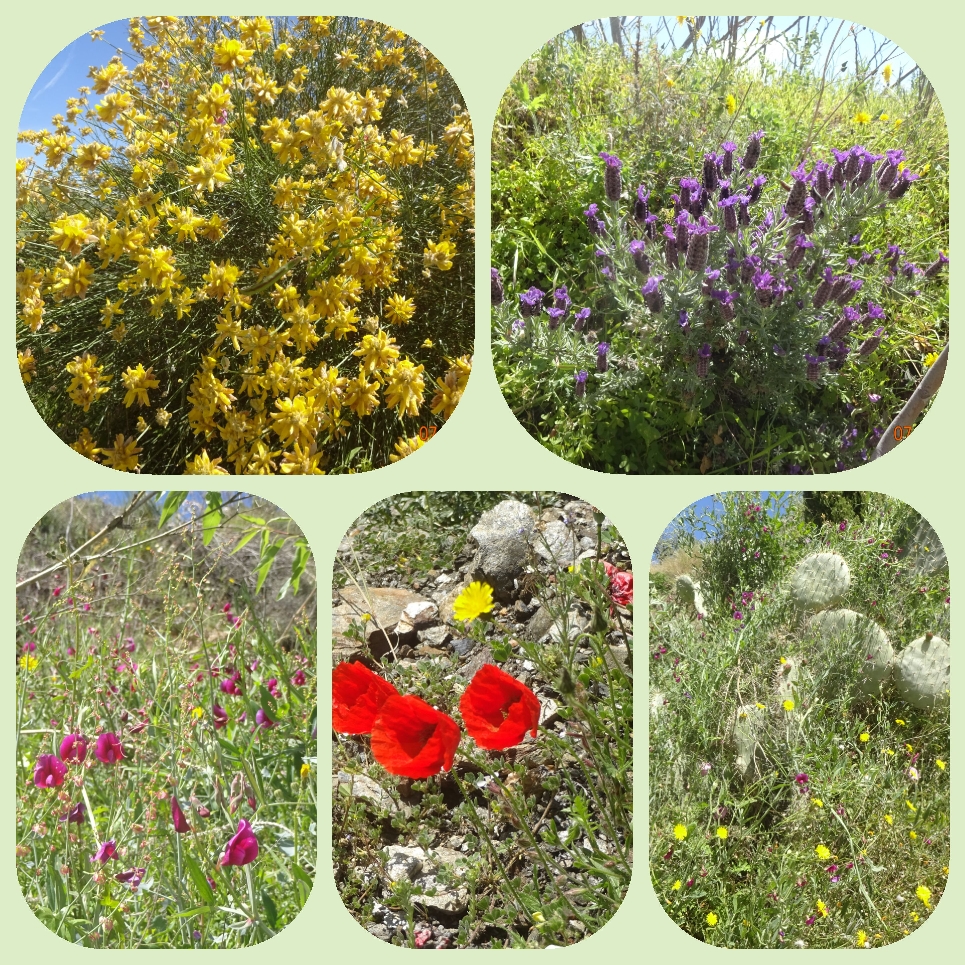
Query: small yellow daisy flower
point(676, 885)
point(680, 831)
point(923, 895)
point(788, 705)
point(940, 764)
point(822, 852)
point(722, 834)
point(864, 738)
point(712, 919)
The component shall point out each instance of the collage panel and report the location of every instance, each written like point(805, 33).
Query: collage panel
point(799, 716)
point(719, 245)
point(482, 685)
point(165, 770)
point(245, 245)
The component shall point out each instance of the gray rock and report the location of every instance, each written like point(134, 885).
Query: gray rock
point(404, 864)
point(560, 544)
point(383, 632)
point(502, 538)
point(363, 787)
point(435, 636)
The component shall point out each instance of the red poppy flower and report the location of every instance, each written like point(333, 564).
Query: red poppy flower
point(108, 749)
point(621, 585)
point(498, 710)
point(242, 848)
point(412, 739)
point(357, 697)
point(181, 825)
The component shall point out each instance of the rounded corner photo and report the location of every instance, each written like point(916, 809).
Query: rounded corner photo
point(166, 765)
point(720, 245)
point(800, 707)
point(245, 245)
point(482, 715)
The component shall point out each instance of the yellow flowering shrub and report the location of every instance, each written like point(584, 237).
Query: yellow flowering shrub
point(247, 247)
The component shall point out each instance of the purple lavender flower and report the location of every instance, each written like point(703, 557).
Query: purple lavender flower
point(853, 163)
point(555, 316)
point(518, 327)
point(531, 303)
point(561, 298)
point(612, 182)
point(763, 288)
point(743, 337)
point(869, 345)
point(699, 245)
point(641, 209)
point(798, 250)
point(727, 157)
point(822, 179)
point(683, 231)
point(757, 186)
point(748, 266)
point(743, 215)
point(807, 216)
point(729, 207)
point(688, 188)
point(601, 356)
point(703, 361)
point(724, 190)
point(778, 351)
point(888, 170)
point(752, 153)
point(901, 186)
point(496, 287)
point(936, 266)
point(837, 174)
point(836, 355)
point(652, 295)
point(639, 254)
point(814, 366)
point(710, 172)
point(844, 324)
point(683, 320)
point(593, 222)
point(795, 200)
point(580, 319)
point(867, 168)
point(581, 378)
point(670, 246)
point(725, 300)
point(875, 313)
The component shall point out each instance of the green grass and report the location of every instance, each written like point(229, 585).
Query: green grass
point(832, 773)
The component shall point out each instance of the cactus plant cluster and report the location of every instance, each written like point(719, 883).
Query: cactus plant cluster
point(820, 581)
point(689, 593)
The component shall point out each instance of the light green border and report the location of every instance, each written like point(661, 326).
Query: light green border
point(482, 447)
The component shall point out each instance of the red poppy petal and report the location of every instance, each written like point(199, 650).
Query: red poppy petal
point(412, 739)
point(357, 697)
point(498, 710)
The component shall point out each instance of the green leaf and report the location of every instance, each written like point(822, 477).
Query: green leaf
point(250, 535)
point(199, 879)
point(268, 554)
point(172, 503)
point(212, 518)
point(271, 912)
point(303, 554)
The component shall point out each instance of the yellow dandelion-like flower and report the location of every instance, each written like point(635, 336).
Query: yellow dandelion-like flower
point(886, 73)
point(306, 770)
point(861, 938)
point(864, 738)
point(817, 802)
point(923, 895)
point(940, 764)
point(680, 831)
point(862, 117)
point(823, 908)
point(930, 359)
point(788, 705)
point(475, 600)
point(722, 834)
point(889, 819)
point(28, 662)
point(911, 807)
point(913, 835)
point(731, 103)
point(676, 885)
point(669, 82)
point(712, 919)
point(822, 852)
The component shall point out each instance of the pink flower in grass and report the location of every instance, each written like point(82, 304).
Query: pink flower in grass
point(106, 851)
point(108, 749)
point(242, 848)
point(181, 825)
point(263, 720)
point(220, 717)
point(49, 771)
point(73, 748)
point(299, 678)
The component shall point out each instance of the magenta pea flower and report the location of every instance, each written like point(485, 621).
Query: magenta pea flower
point(242, 849)
point(263, 720)
point(108, 748)
point(220, 717)
point(76, 815)
point(299, 678)
point(49, 771)
point(106, 851)
point(73, 748)
point(181, 825)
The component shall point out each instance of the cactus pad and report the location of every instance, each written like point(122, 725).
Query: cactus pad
point(688, 592)
point(922, 672)
point(850, 633)
point(819, 581)
point(746, 727)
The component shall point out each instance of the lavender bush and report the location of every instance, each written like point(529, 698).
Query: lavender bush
point(728, 302)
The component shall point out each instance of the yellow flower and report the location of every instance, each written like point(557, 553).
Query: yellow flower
point(817, 802)
point(676, 885)
point(680, 831)
point(823, 908)
point(862, 117)
point(940, 764)
point(864, 738)
point(913, 835)
point(900, 722)
point(930, 359)
point(722, 834)
point(124, 454)
point(475, 600)
point(886, 73)
point(538, 917)
point(760, 706)
point(788, 705)
point(669, 82)
point(197, 713)
point(731, 103)
point(883, 117)
point(28, 662)
point(306, 770)
point(923, 895)
point(137, 381)
point(860, 938)
point(822, 852)
point(85, 445)
point(911, 807)
point(712, 919)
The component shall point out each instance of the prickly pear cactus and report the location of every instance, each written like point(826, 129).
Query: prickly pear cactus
point(820, 581)
point(688, 592)
point(923, 670)
point(746, 728)
point(844, 634)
